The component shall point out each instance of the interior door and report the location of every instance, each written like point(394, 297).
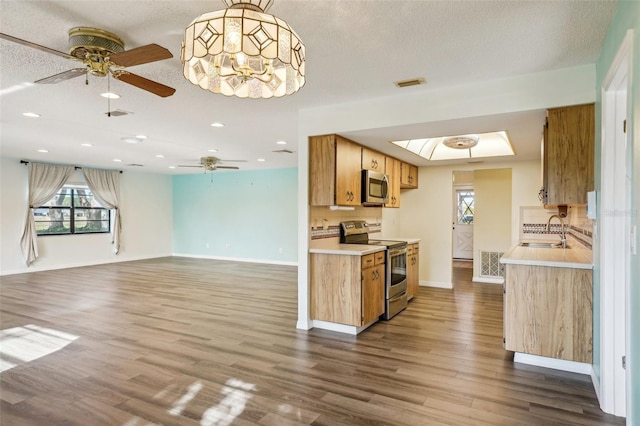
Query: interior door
point(463, 224)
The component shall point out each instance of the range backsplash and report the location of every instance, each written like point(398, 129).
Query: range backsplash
point(325, 223)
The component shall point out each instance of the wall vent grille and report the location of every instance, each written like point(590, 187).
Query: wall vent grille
point(490, 265)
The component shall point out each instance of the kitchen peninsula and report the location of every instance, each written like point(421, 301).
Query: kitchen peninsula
point(548, 301)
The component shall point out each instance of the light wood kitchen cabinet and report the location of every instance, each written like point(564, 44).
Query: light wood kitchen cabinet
point(548, 312)
point(347, 289)
point(373, 160)
point(393, 171)
point(408, 176)
point(413, 270)
point(334, 171)
point(568, 146)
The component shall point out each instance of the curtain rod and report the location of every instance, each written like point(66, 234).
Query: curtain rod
point(76, 167)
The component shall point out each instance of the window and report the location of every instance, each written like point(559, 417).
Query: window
point(465, 206)
point(73, 210)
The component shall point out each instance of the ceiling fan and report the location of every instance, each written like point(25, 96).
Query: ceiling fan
point(103, 54)
point(212, 163)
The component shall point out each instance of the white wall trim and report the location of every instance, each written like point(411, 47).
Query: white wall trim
point(238, 259)
point(488, 280)
point(341, 328)
point(556, 364)
point(435, 284)
point(35, 268)
point(596, 382)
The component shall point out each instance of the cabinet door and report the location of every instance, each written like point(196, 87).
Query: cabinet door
point(372, 293)
point(348, 173)
point(413, 270)
point(569, 152)
point(548, 312)
point(336, 288)
point(373, 160)
point(408, 176)
point(322, 170)
point(393, 167)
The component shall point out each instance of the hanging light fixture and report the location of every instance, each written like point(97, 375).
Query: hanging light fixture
point(243, 51)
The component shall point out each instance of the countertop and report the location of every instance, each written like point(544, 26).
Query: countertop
point(576, 256)
point(333, 246)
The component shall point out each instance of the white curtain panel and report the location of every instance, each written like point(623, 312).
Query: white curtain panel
point(45, 180)
point(105, 186)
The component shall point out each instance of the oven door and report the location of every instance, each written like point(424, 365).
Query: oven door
point(396, 272)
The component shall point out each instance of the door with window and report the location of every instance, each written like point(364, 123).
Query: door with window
point(463, 223)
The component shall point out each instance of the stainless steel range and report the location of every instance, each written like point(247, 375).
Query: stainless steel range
point(357, 232)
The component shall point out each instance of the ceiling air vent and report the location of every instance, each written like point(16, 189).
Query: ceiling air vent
point(284, 151)
point(135, 165)
point(117, 113)
point(412, 82)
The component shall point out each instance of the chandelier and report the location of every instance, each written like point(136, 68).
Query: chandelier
point(243, 51)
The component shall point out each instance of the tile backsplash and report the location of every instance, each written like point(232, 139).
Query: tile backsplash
point(533, 224)
point(325, 223)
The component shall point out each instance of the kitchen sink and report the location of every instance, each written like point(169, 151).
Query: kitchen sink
point(542, 245)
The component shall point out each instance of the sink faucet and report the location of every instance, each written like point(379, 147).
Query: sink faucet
point(563, 237)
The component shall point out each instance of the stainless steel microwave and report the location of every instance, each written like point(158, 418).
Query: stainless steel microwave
point(375, 188)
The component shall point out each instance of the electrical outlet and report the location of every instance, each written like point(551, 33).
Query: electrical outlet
point(280, 250)
point(206, 245)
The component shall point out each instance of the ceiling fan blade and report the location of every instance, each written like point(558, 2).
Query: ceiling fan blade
point(145, 84)
point(60, 77)
point(36, 46)
point(227, 167)
point(233, 161)
point(140, 55)
point(189, 166)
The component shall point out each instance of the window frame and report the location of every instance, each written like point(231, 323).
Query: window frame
point(73, 209)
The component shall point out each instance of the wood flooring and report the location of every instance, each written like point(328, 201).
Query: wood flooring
point(178, 341)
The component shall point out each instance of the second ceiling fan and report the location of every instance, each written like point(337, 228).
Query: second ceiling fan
point(103, 54)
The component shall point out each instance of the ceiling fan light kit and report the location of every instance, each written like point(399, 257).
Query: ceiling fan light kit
point(243, 51)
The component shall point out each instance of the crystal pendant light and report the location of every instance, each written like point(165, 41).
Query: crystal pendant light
point(243, 51)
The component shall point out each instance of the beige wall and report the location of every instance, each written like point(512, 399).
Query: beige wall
point(492, 213)
point(425, 213)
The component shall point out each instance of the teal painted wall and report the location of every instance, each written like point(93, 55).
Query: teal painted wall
point(247, 215)
point(627, 17)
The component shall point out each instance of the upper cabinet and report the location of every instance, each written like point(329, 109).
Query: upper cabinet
point(373, 160)
point(393, 170)
point(408, 176)
point(334, 171)
point(568, 147)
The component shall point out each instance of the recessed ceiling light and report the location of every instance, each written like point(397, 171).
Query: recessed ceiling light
point(172, 167)
point(110, 95)
point(43, 150)
point(86, 144)
point(129, 139)
point(261, 160)
point(159, 156)
point(31, 114)
point(217, 124)
point(281, 142)
point(212, 150)
point(117, 160)
point(143, 137)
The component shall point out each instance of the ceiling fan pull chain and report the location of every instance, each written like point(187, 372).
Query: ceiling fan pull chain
point(109, 97)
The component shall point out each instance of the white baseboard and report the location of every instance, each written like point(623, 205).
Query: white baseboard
point(596, 383)
point(303, 325)
point(117, 259)
point(237, 259)
point(556, 364)
point(435, 284)
point(488, 280)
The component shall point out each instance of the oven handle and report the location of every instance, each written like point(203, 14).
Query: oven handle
point(396, 252)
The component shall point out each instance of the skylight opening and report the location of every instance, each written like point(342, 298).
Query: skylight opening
point(480, 145)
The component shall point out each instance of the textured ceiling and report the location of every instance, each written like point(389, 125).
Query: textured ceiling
point(447, 42)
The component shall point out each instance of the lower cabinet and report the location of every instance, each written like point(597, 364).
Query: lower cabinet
point(347, 289)
point(548, 312)
point(413, 270)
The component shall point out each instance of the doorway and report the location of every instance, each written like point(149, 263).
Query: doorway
point(614, 224)
point(462, 219)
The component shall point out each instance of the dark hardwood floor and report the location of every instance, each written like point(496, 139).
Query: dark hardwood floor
point(179, 341)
